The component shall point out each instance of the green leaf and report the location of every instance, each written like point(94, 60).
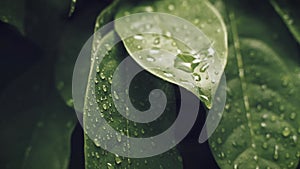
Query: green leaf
point(36, 126)
point(95, 156)
point(260, 126)
point(75, 32)
point(289, 12)
point(12, 12)
point(186, 61)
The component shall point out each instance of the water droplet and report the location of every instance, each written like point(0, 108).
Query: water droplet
point(275, 156)
point(281, 108)
point(107, 47)
point(185, 62)
point(265, 145)
point(291, 164)
point(148, 9)
point(168, 34)
point(104, 106)
point(104, 88)
point(196, 77)
point(286, 132)
point(115, 95)
point(298, 154)
point(109, 166)
point(293, 116)
point(294, 138)
point(258, 107)
point(219, 140)
point(138, 37)
point(102, 76)
point(287, 155)
point(118, 160)
point(156, 41)
point(139, 46)
point(263, 124)
point(150, 59)
point(222, 155)
point(167, 74)
point(204, 67)
point(234, 144)
point(96, 80)
point(171, 7)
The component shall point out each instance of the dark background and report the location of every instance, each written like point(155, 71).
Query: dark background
point(21, 54)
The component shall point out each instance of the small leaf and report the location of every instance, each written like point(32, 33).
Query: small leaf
point(173, 49)
point(260, 124)
point(289, 12)
point(12, 12)
point(36, 126)
point(75, 33)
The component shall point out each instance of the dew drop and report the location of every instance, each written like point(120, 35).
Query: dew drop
point(104, 106)
point(219, 140)
point(204, 67)
point(171, 7)
point(298, 154)
point(156, 41)
point(265, 145)
point(148, 9)
point(275, 156)
point(263, 124)
point(109, 166)
point(138, 37)
point(119, 138)
point(118, 160)
point(96, 81)
point(281, 108)
point(104, 88)
point(167, 74)
point(291, 164)
point(196, 77)
point(293, 116)
point(150, 59)
point(286, 132)
point(116, 96)
point(97, 69)
point(168, 34)
point(102, 76)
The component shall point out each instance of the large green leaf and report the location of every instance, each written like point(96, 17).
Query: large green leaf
point(36, 125)
point(260, 125)
point(175, 50)
point(289, 12)
point(95, 156)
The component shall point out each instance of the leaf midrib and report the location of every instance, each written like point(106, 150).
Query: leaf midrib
point(238, 55)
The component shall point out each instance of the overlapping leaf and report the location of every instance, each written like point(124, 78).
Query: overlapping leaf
point(260, 126)
point(195, 58)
